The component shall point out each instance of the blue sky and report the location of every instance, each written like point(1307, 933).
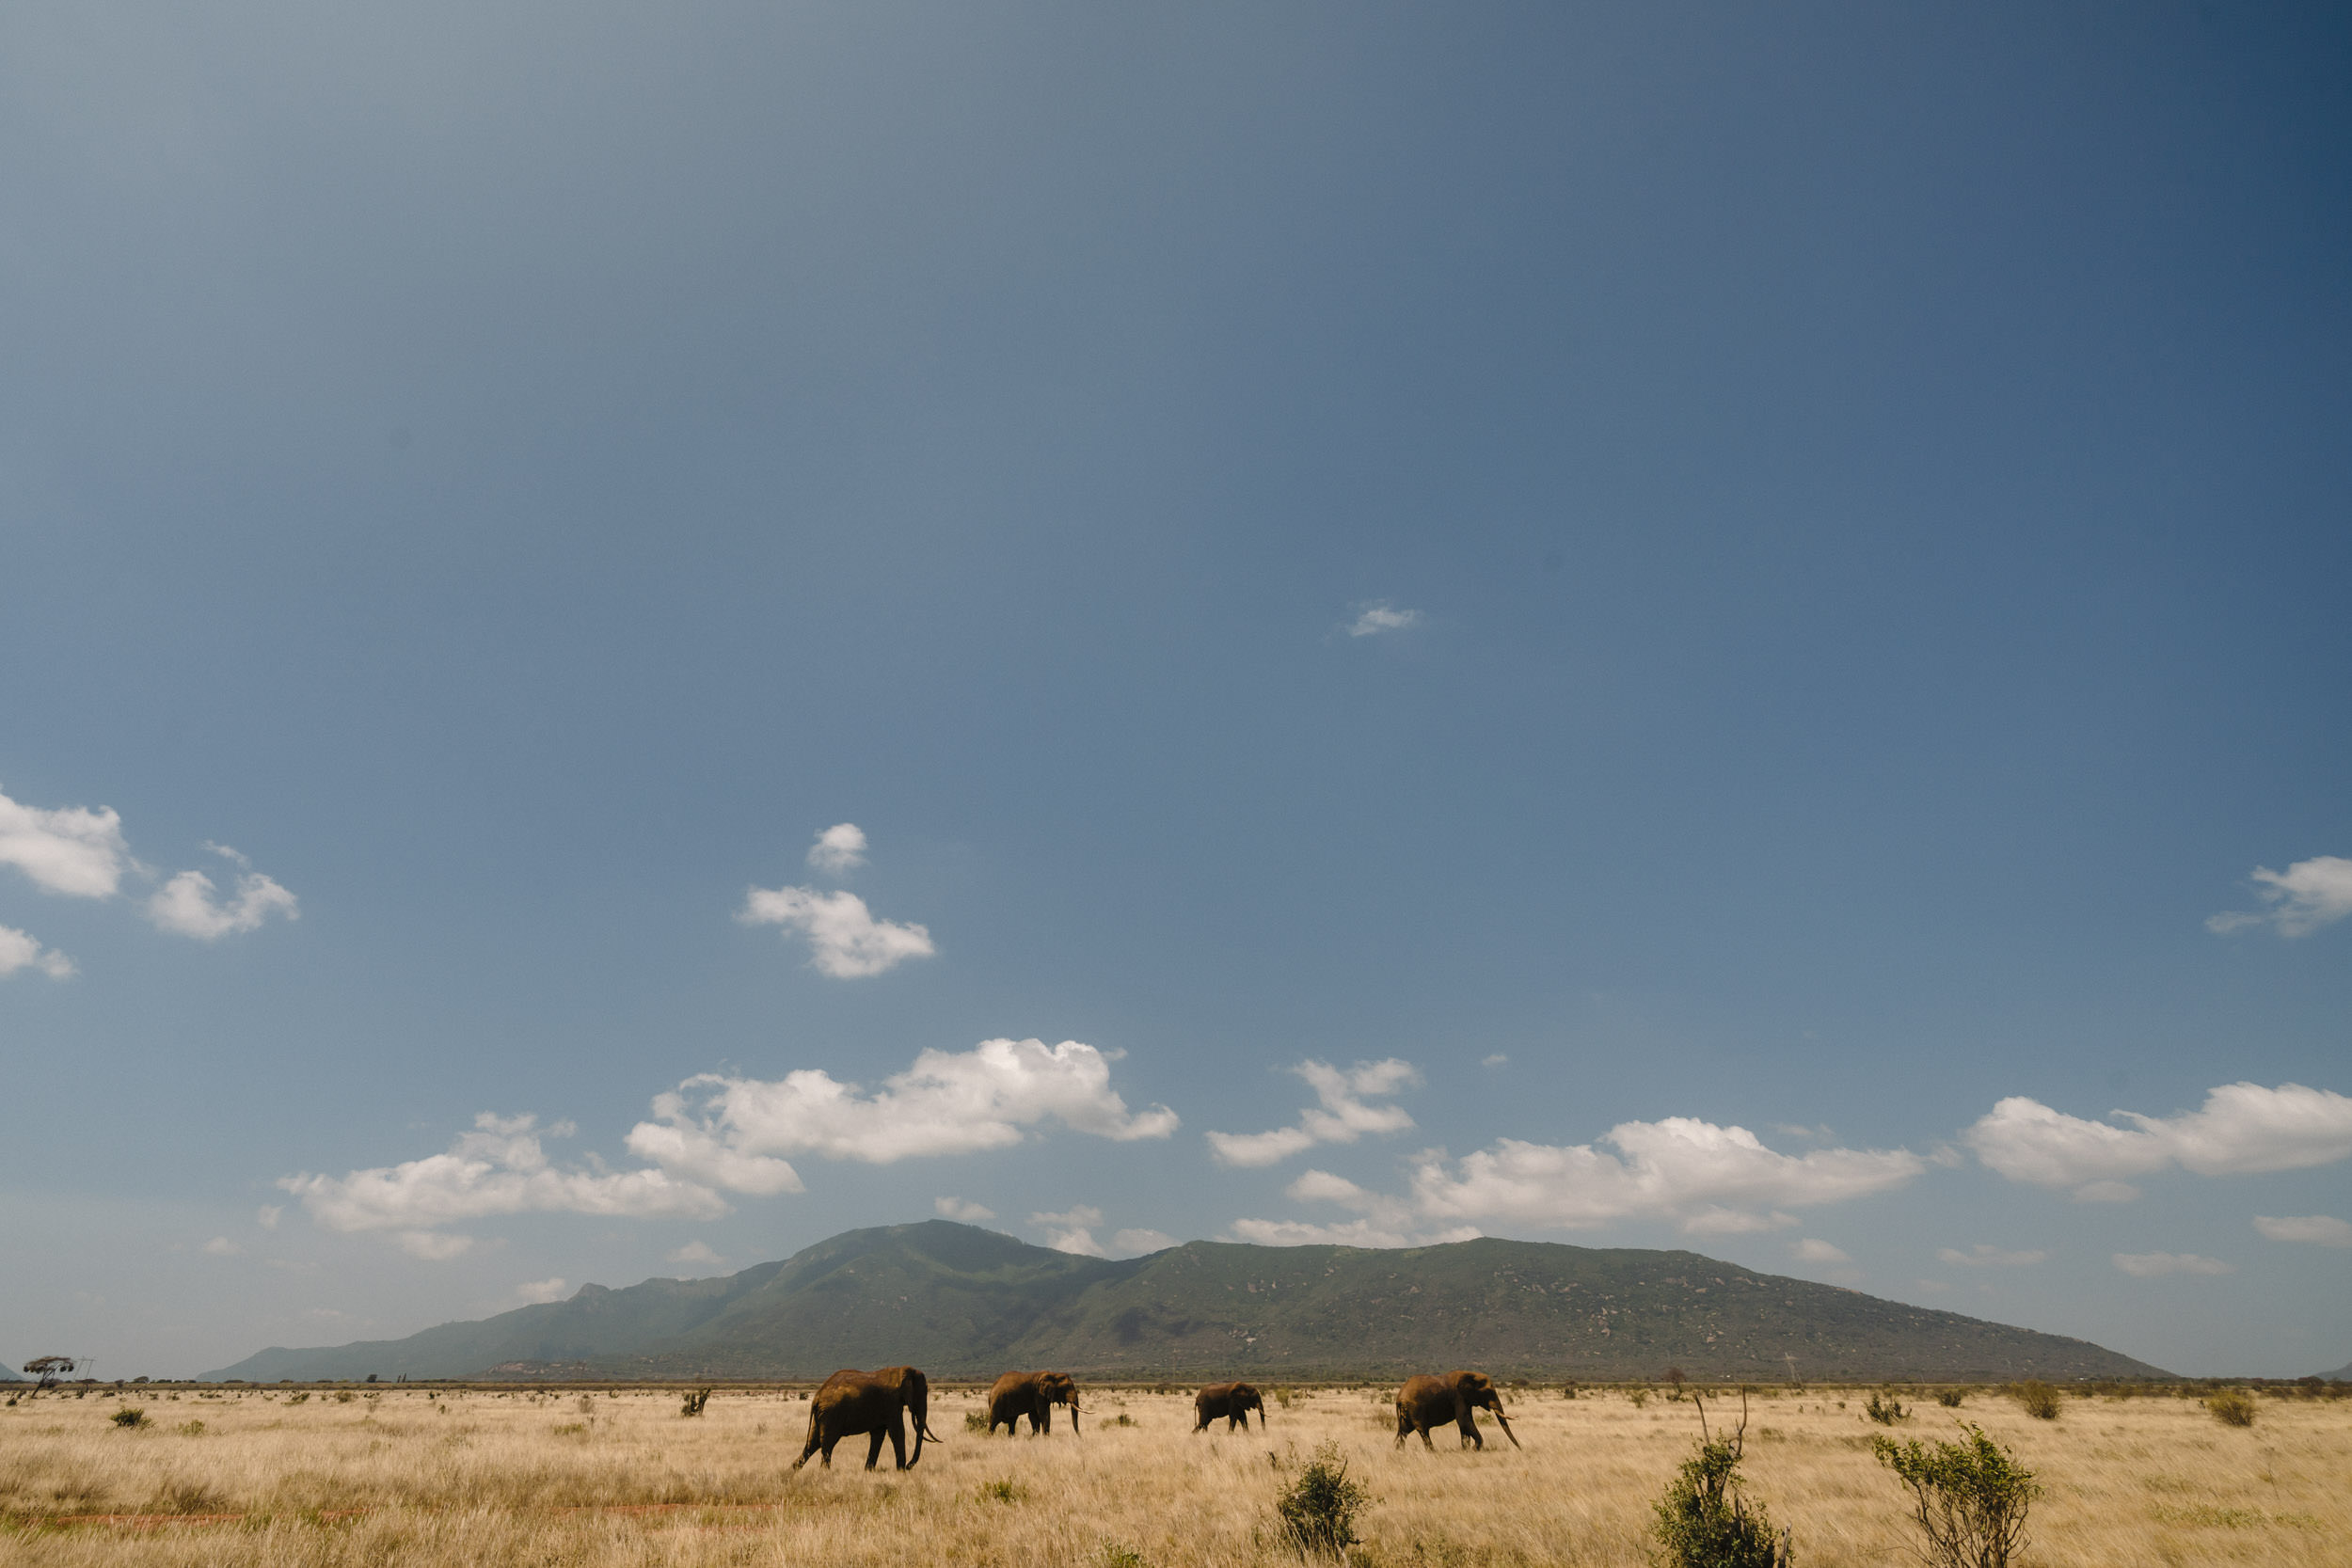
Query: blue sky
point(1650, 625)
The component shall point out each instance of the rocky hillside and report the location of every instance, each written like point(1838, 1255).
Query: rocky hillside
point(963, 1301)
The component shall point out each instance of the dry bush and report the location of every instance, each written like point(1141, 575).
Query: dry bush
point(2036, 1399)
point(2232, 1407)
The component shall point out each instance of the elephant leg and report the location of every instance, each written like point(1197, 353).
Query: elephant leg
point(898, 1445)
point(873, 1449)
point(828, 1443)
point(1045, 1418)
point(1403, 1425)
point(1424, 1428)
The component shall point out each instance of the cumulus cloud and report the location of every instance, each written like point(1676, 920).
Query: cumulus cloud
point(221, 1246)
point(698, 1253)
point(1073, 1231)
point(1363, 1233)
point(1340, 1119)
point(839, 849)
point(1144, 1240)
point(957, 1209)
point(1376, 616)
point(1706, 1179)
point(188, 905)
point(2149, 1265)
point(538, 1292)
point(2298, 901)
point(498, 1168)
point(72, 849)
point(1812, 1250)
point(2314, 1230)
point(734, 1132)
point(2241, 1128)
point(268, 1214)
point(845, 940)
point(432, 1245)
point(21, 951)
point(1985, 1256)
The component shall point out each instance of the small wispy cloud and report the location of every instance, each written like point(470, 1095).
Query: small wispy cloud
point(839, 849)
point(538, 1292)
point(696, 1253)
point(1375, 617)
point(2298, 901)
point(1984, 1257)
point(221, 1246)
point(1144, 1240)
point(2312, 1229)
point(962, 1211)
point(19, 950)
point(1073, 1230)
point(1812, 1250)
point(190, 906)
point(1342, 1117)
point(846, 940)
point(2150, 1265)
point(434, 1247)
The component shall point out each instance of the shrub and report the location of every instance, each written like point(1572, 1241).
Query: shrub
point(2232, 1407)
point(2037, 1398)
point(297, 1399)
point(693, 1402)
point(1885, 1412)
point(1319, 1508)
point(1640, 1398)
point(1118, 1556)
point(1969, 1498)
point(1567, 1391)
point(1704, 1521)
point(1001, 1492)
point(190, 1429)
point(130, 1417)
point(1122, 1419)
point(1949, 1398)
point(975, 1421)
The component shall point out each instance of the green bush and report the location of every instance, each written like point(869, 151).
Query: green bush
point(130, 1417)
point(1319, 1508)
point(2232, 1407)
point(1001, 1492)
point(1950, 1398)
point(1969, 1498)
point(1885, 1412)
point(2037, 1398)
point(1704, 1522)
point(975, 1421)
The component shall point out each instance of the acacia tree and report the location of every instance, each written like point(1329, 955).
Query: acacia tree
point(46, 1370)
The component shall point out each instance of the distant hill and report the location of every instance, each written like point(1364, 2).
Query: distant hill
point(2342, 1374)
point(963, 1301)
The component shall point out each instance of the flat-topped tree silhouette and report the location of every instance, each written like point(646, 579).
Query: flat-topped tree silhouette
point(46, 1370)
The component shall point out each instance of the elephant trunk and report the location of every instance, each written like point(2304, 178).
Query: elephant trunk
point(1504, 1423)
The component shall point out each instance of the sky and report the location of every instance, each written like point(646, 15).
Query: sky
point(636, 636)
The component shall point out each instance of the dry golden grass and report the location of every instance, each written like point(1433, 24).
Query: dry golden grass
point(483, 1478)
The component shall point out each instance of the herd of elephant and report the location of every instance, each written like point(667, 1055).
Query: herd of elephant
point(882, 1404)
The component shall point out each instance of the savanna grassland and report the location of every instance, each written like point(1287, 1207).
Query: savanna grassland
point(579, 1477)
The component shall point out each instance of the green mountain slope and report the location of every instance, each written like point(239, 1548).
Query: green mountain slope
point(962, 1302)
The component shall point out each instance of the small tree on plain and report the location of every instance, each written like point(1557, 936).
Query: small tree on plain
point(1704, 1521)
point(1969, 1498)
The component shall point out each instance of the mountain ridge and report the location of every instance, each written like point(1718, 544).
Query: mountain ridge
point(963, 1302)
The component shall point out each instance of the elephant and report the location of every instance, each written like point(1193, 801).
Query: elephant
point(1034, 1395)
point(851, 1403)
point(1234, 1402)
point(1426, 1402)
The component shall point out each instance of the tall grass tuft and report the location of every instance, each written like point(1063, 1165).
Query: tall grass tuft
point(1885, 1412)
point(2232, 1407)
point(2036, 1399)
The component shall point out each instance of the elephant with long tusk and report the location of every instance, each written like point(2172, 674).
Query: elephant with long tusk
point(876, 1404)
point(1426, 1402)
point(1229, 1403)
point(1034, 1395)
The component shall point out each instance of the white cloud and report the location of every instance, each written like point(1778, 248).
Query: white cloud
point(839, 849)
point(2241, 1128)
point(1375, 616)
point(1813, 1251)
point(434, 1247)
point(1073, 1231)
point(187, 906)
point(1707, 1179)
point(1144, 1240)
point(697, 1253)
point(269, 1215)
point(221, 1246)
point(498, 1168)
point(73, 850)
point(21, 951)
point(1497, 1059)
point(957, 1209)
point(2147, 1265)
point(538, 1292)
point(845, 940)
point(2316, 1229)
point(1986, 1257)
point(1363, 1233)
point(1340, 1119)
point(2302, 899)
point(989, 1097)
